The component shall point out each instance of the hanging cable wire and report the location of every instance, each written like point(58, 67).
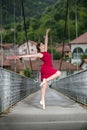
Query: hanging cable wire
point(22, 38)
point(1, 59)
point(22, 4)
point(64, 35)
point(68, 25)
point(76, 21)
point(14, 37)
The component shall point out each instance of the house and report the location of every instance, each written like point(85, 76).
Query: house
point(78, 47)
point(6, 49)
point(28, 48)
point(66, 49)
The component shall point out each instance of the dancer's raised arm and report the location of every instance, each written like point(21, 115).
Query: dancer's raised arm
point(46, 39)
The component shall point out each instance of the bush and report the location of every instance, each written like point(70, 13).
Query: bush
point(27, 72)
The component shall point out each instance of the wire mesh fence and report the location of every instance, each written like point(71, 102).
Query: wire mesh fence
point(74, 86)
point(13, 88)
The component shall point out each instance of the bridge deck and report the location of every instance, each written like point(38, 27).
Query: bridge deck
point(61, 113)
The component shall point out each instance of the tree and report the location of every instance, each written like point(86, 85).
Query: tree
point(84, 56)
point(56, 55)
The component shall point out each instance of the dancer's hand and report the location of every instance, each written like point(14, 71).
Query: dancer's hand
point(48, 30)
point(19, 57)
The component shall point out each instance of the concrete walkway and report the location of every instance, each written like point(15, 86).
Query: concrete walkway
point(61, 113)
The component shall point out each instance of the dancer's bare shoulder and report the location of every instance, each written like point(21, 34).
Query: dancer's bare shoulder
point(40, 55)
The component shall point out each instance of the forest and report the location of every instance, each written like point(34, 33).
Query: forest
point(28, 20)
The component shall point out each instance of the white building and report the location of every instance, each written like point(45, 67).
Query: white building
point(78, 48)
point(8, 49)
point(28, 48)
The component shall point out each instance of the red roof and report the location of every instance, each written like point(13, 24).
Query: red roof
point(32, 42)
point(5, 63)
point(36, 65)
point(82, 39)
point(20, 65)
point(65, 65)
point(6, 45)
point(60, 47)
point(12, 57)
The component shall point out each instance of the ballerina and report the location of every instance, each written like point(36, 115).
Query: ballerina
point(47, 71)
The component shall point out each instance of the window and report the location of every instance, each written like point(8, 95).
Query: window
point(25, 51)
point(86, 50)
point(77, 52)
point(32, 50)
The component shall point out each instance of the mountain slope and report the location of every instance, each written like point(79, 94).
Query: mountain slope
point(32, 8)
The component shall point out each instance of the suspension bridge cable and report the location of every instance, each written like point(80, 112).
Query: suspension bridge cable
point(68, 24)
point(1, 59)
point(14, 35)
point(64, 35)
point(23, 13)
point(76, 20)
point(22, 38)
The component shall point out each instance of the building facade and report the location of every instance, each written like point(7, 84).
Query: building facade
point(66, 50)
point(28, 48)
point(78, 48)
point(7, 49)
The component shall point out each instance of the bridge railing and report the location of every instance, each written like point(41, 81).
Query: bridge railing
point(74, 86)
point(13, 88)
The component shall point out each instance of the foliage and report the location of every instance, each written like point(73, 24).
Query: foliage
point(56, 55)
point(39, 16)
point(84, 56)
point(27, 72)
point(31, 8)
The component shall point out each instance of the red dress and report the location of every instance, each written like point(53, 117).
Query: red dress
point(46, 69)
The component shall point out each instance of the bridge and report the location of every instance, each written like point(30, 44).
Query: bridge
point(66, 101)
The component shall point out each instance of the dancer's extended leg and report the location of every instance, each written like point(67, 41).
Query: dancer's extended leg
point(43, 93)
point(57, 74)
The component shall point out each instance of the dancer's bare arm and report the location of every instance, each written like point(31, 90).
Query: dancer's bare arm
point(31, 55)
point(46, 39)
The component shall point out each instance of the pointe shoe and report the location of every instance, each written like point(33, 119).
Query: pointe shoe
point(43, 82)
point(43, 104)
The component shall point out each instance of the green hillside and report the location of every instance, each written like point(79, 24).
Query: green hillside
point(48, 13)
point(33, 8)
